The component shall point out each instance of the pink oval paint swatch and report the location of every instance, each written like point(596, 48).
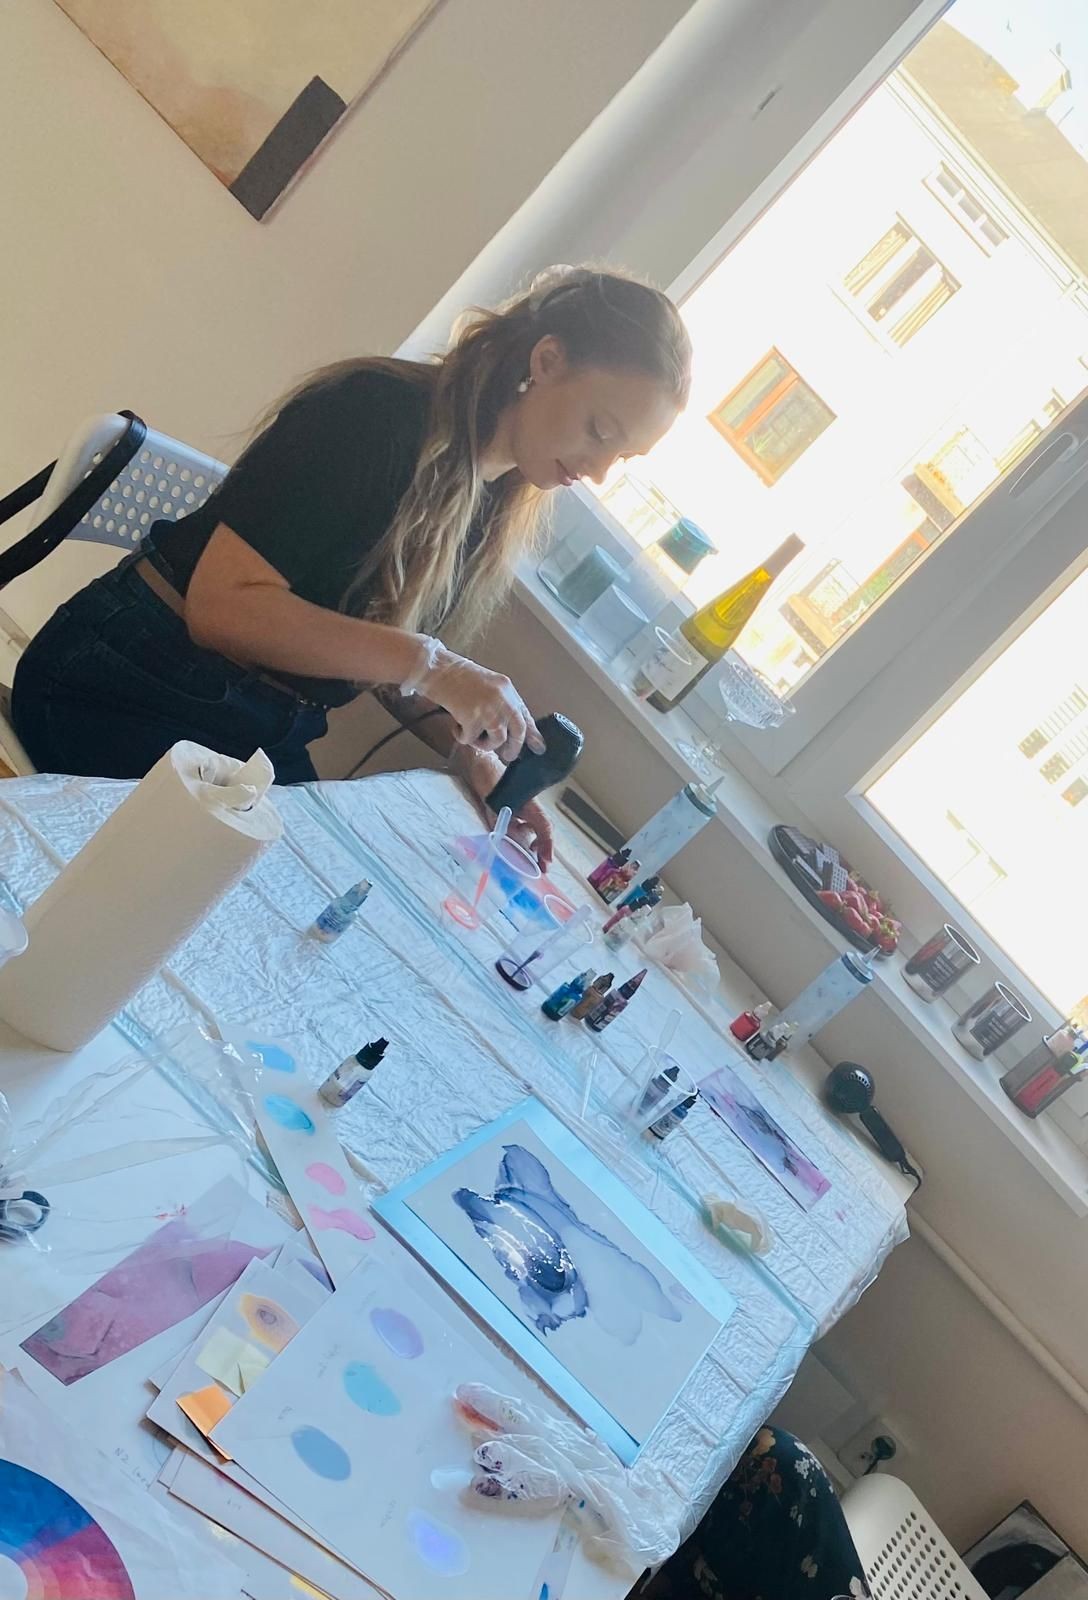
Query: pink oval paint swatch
point(398, 1332)
point(343, 1219)
point(328, 1177)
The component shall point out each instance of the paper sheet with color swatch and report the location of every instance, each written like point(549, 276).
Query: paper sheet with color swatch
point(298, 1130)
point(353, 1427)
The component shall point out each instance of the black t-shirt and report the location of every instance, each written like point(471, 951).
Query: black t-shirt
point(312, 494)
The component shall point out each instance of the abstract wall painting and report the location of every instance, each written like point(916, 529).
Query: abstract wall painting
point(73, 1525)
point(741, 1111)
point(353, 1427)
point(256, 86)
point(586, 1284)
point(297, 1129)
point(181, 1268)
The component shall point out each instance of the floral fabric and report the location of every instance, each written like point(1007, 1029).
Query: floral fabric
point(775, 1532)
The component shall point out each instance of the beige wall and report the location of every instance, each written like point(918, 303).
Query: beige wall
point(982, 1425)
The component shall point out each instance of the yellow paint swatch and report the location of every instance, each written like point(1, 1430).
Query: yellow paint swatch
point(204, 1408)
point(231, 1360)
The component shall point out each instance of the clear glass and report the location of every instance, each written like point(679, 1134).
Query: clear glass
point(913, 318)
point(555, 939)
point(746, 697)
point(479, 891)
point(657, 1086)
point(991, 798)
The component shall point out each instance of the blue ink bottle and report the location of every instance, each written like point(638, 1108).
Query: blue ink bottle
point(566, 997)
point(340, 913)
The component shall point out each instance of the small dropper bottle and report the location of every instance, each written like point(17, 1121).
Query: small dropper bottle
point(340, 913)
point(340, 1086)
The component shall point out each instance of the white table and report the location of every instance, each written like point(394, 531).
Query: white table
point(465, 1048)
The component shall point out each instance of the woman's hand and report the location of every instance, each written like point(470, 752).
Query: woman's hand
point(532, 828)
point(487, 710)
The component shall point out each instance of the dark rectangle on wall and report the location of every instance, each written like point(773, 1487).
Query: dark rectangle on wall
point(308, 120)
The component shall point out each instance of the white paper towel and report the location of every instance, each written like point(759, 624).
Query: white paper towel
point(152, 872)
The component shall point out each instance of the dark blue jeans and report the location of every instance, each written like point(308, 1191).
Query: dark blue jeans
point(113, 680)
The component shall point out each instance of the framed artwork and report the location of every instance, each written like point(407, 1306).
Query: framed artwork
point(557, 1255)
point(1024, 1557)
point(254, 87)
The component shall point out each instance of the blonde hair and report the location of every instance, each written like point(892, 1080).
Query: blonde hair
point(420, 572)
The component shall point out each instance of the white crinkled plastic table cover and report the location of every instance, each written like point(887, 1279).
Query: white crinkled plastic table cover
point(464, 1048)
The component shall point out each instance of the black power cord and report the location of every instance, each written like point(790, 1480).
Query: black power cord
point(409, 727)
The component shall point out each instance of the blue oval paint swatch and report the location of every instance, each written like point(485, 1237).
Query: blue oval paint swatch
point(271, 1056)
point(368, 1391)
point(287, 1114)
point(321, 1454)
point(437, 1546)
point(397, 1332)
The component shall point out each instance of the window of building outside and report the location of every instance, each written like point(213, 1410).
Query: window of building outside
point(893, 335)
point(772, 417)
point(900, 283)
point(989, 798)
point(968, 211)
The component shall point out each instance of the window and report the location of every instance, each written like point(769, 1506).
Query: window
point(969, 765)
point(772, 417)
point(900, 283)
point(1035, 741)
point(921, 436)
point(1054, 768)
point(955, 196)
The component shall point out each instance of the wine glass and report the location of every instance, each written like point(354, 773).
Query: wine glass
point(747, 697)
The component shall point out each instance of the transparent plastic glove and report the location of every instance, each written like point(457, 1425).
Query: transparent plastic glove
point(486, 708)
point(533, 1462)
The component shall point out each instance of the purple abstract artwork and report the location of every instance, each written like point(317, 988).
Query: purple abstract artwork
point(165, 1280)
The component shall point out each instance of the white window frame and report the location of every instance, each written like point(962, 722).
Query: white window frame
point(889, 680)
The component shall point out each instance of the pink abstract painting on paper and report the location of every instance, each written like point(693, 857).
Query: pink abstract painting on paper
point(165, 1280)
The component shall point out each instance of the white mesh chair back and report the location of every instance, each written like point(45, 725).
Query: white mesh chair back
point(904, 1553)
point(164, 479)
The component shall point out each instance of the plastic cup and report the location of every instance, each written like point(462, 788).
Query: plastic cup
point(539, 949)
point(657, 1086)
point(512, 869)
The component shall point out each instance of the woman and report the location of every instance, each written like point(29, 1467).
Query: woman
point(386, 499)
point(775, 1532)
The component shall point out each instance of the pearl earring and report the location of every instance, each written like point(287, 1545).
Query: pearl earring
point(525, 385)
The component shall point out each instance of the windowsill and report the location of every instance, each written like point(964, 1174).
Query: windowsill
point(748, 818)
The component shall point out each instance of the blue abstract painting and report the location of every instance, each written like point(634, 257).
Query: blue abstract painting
point(568, 1266)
